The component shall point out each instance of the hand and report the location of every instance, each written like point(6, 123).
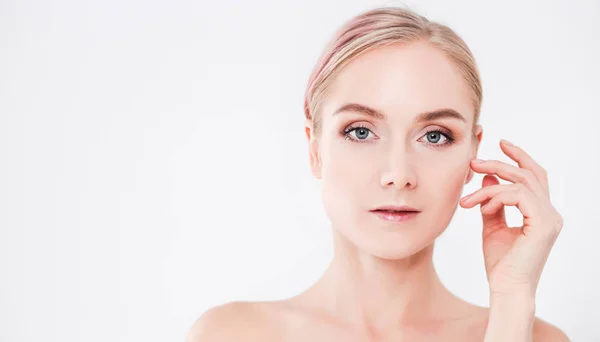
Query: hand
point(515, 256)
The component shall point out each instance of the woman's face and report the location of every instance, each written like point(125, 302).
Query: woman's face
point(378, 148)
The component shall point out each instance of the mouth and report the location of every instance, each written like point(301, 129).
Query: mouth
point(395, 213)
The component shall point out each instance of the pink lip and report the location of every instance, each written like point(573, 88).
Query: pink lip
point(395, 217)
point(395, 213)
point(396, 208)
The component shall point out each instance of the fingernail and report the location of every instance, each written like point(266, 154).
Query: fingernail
point(477, 161)
point(507, 142)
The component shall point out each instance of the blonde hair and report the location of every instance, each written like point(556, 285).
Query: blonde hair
point(383, 26)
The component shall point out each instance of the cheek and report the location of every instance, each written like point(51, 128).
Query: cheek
point(346, 174)
point(444, 178)
point(344, 169)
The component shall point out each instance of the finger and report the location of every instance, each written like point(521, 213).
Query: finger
point(510, 173)
point(521, 198)
point(486, 193)
point(496, 220)
point(525, 161)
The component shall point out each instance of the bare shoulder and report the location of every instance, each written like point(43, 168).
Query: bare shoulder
point(543, 331)
point(546, 332)
point(234, 321)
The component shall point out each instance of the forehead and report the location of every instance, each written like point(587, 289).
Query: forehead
point(402, 78)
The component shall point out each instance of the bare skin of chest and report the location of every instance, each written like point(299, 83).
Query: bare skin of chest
point(458, 334)
point(295, 326)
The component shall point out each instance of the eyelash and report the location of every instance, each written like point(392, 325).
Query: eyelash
point(449, 138)
point(354, 128)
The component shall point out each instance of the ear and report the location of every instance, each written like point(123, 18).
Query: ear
point(479, 134)
point(313, 149)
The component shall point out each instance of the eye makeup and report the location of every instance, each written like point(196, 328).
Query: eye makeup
point(356, 131)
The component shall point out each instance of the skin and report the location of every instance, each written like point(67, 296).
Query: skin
point(381, 284)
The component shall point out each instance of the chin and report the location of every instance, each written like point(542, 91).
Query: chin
point(391, 248)
point(387, 241)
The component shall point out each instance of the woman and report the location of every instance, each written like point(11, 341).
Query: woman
point(392, 112)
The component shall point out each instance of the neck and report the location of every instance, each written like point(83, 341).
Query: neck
point(378, 293)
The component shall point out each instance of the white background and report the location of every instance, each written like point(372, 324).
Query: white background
point(153, 161)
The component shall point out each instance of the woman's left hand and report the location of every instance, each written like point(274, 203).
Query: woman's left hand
point(515, 256)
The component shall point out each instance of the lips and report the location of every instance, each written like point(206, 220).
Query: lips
point(395, 213)
point(396, 209)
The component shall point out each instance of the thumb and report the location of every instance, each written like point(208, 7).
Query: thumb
point(495, 220)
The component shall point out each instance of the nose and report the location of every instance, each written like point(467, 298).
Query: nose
point(398, 171)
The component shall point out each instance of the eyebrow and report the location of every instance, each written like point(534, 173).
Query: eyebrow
point(422, 117)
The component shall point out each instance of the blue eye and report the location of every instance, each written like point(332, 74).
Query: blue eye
point(361, 134)
point(435, 135)
point(358, 133)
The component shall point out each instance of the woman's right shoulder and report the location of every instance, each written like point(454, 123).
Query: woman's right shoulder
point(233, 321)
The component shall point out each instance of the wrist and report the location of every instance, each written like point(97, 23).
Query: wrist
point(520, 303)
point(511, 318)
